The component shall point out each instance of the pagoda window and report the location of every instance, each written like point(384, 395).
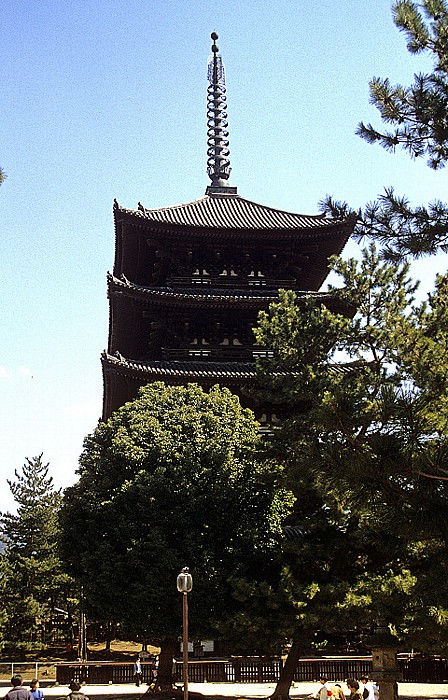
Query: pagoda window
point(200, 276)
point(256, 279)
point(228, 342)
point(199, 353)
point(228, 273)
point(262, 353)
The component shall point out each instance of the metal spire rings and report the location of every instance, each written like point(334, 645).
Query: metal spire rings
point(218, 163)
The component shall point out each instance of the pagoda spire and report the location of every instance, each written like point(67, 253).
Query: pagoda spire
point(218, 163)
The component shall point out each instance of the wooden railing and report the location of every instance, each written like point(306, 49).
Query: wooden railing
point(100, 672)
point(222, 353)
point(235, 281)
point(254, 670)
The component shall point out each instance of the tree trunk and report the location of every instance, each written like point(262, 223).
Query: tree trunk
point(165, 670)
point(281, 691)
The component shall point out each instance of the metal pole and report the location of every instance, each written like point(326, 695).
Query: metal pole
point(185, 643)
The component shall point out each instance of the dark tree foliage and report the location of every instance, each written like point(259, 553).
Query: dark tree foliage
point(172, 479)
point(368, 436)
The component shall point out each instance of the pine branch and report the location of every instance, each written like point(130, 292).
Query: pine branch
point(401, 229)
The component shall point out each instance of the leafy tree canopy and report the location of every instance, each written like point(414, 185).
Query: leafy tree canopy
point(173, 478)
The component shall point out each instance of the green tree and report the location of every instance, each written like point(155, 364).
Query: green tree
point(2, 176)
point(3, 612)
point(33, 578)
point(418, 115)
point(171, 479)
point(365, 438)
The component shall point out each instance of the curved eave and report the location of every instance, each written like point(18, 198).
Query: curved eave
point(213, 297)
point(233, 215)
point(239, 372)
point(196, 371)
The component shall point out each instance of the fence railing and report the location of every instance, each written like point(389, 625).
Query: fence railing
point(238, 670)
point(100, 672)
point(38, 669)
point(254, 670)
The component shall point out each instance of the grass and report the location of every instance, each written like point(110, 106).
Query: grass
point(25, 662)
point(119, 650)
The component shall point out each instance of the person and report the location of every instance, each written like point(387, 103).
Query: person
point(324, 691)
point(353, 687)
point(35, 690)
point(338, 693)
point(137, 671)
point(18, 692)
point(76, 692)
point(367, 688)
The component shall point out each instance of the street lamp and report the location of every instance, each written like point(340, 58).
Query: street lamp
point(184, 586)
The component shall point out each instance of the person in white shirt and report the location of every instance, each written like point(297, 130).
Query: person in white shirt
point(368, 689)
point(324, 691)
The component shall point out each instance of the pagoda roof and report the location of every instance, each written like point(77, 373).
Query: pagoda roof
point(232, 212)
point(213, 296)
point(176, 369)
point(207, 294)
point(179, 370)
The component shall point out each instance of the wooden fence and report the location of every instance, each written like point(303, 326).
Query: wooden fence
point(253, 670)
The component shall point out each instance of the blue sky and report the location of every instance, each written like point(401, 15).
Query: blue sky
point(105, 99)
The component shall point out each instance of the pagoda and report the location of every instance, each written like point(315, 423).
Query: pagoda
point(189, 280)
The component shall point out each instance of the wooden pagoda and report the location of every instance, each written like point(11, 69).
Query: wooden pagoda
point(189, 280)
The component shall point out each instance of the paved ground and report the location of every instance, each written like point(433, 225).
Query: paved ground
point(407, 691)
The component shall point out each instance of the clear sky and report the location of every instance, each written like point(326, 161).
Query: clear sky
point(105, 99)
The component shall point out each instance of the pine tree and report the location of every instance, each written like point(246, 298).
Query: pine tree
point(418, 114)
point(367, 438)
point(34, 578)
point(3, 612)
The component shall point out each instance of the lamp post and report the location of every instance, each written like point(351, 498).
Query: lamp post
point(184, 586)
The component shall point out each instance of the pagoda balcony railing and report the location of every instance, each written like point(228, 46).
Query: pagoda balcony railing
point(225, 353)
point(231, 281)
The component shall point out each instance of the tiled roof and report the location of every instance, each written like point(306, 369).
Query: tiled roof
point(202, 370)
point(232, 212)
point(239, 371)
point(210, 294)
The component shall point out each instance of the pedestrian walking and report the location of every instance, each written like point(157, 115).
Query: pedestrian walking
point(369, 688)
point(18, 692)
point(324, 691)
point(338, 693)
point(36, 692)
point(355, 692)
point(137, 671)
point(76, 692)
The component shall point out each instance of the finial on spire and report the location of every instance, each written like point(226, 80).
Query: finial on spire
point(218, 163)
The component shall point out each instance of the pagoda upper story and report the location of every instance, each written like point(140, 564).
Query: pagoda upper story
point(189, 280)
